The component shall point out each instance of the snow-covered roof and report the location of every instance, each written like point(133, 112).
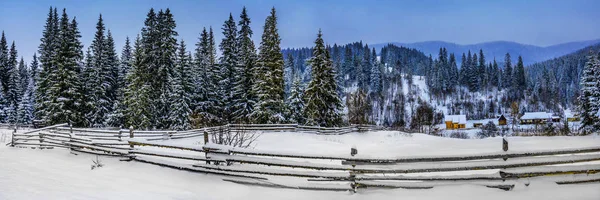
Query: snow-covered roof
point(461, 119)
point(537, 115)
point(568, 114)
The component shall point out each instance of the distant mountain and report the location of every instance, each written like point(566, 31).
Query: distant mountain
point(531, 54)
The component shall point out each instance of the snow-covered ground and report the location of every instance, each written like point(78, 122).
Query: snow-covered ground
point(57, 174)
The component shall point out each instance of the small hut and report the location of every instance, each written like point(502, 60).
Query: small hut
point(502, 120)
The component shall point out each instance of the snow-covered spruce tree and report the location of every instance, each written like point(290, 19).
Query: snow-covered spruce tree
point(229, 69)
point(3, 108)
point(376, 86)
point(181, 87)
point(589, 94)
point(519, 81)
point(23, 77)
point(117, 117)
point(507, 80)
point(65, 94)
point(13, 95)
point(4, 67)
point(322, 102)
point(165, 63)
point(204, 94)
point(115, 90)
point(269, 86)
point(100, 78)
point(289, 73)
point(142, 109)
point(137, 94)
point(48, 50)
point(25, 108)
point(296, 102)
point(215, 108)
point(243, 98)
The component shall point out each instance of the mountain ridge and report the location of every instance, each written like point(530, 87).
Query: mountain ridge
point(497, 49)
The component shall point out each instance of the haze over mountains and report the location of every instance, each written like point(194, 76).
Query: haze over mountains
point(531, 53)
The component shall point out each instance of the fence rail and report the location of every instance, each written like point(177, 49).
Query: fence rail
point(332, 172)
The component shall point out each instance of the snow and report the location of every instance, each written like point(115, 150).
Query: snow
point(57, 174)
point(536, 115)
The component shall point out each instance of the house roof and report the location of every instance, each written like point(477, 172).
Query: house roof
point(502, 117)
point(537, 115)
point(461, 119)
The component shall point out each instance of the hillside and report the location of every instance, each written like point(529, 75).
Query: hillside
point(531, 54)
point(562, 73)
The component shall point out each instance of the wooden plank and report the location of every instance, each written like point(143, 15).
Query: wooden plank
point(190, 168)
point(168, 155)
point(270, 171)
point(370, 161)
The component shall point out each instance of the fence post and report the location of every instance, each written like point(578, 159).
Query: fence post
point(120, 132)
point(205, 136)
point(504, 147)
point(131, 136)
point(12, 139)
point(352, 178)
point(206, 150)
point(41, 138)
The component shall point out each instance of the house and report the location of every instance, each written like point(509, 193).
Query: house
point(502, 120)
point(477, 124)
point(570, 117)
point(538, 118)
point(455, 121)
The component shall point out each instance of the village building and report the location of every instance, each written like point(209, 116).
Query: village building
point(570, 117)
point(455, 121)
point(538, 118)
point(502, 120)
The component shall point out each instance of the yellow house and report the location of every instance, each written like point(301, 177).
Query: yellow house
point(572, 117)
point(455, 121)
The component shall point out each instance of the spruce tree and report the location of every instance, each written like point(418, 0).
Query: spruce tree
point(100, 78)
point(376, 86)
point(23, 77)
point(244, 99)
point(519, 82)
point(215, 109)
point(115, 117)
point(181, 87)
point(296, 102)
point(137, 94)
point(589, 95)
point(13, 95)
point(322, 103)
point(269, 86)
point(47, 50)
point(507, 80)
point(289, 73)
point(165, 64)
point(65, 94)
point(4, 65)
point(3, 108)
point(204, 84)
point(25, 108)
point(229, 69)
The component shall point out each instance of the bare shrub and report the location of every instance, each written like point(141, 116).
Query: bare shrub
point(238, 137)
point(459, 135)
point(97, 163)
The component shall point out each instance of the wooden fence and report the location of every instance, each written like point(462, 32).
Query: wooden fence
point(316, 171)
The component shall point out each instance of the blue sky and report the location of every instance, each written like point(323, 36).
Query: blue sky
point(537, 22)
